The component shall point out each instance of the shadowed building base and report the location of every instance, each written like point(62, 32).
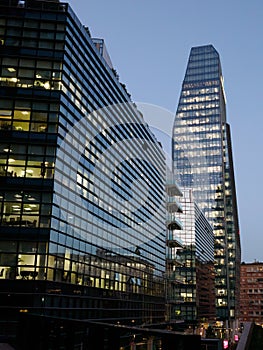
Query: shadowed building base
point(41, 333)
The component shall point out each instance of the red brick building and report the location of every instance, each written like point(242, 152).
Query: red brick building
point(251, 292)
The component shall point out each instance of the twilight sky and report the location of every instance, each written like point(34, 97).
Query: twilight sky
point(149, 43)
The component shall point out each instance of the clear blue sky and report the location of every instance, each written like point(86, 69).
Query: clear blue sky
point(149, 43)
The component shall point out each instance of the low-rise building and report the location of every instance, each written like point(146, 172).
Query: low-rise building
point(251, 292)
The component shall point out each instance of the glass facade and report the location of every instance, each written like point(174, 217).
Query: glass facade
point(173, 242)
point(82, 191)
point(202, 160)
point(193, 265)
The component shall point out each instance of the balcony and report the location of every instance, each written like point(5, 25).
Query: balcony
point(173, 259)
point(175, 278)
point(173, 242)
point(173, 189)
point(173, 223)
point(173, 205)
point(175, 300)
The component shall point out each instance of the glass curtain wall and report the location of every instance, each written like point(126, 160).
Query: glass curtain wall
point(99, 233)
point(201, 160)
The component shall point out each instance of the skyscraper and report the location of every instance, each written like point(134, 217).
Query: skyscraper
point(202, 160)
point(77, 241)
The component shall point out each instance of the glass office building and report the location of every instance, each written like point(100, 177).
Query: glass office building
point(82, 179)
point(202, 160)
point(192, 265)
point(173, 242)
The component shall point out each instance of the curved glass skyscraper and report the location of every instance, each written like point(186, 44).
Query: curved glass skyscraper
point(202, 160)
point(82, 187)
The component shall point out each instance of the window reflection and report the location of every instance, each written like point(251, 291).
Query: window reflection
point(123, 273)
